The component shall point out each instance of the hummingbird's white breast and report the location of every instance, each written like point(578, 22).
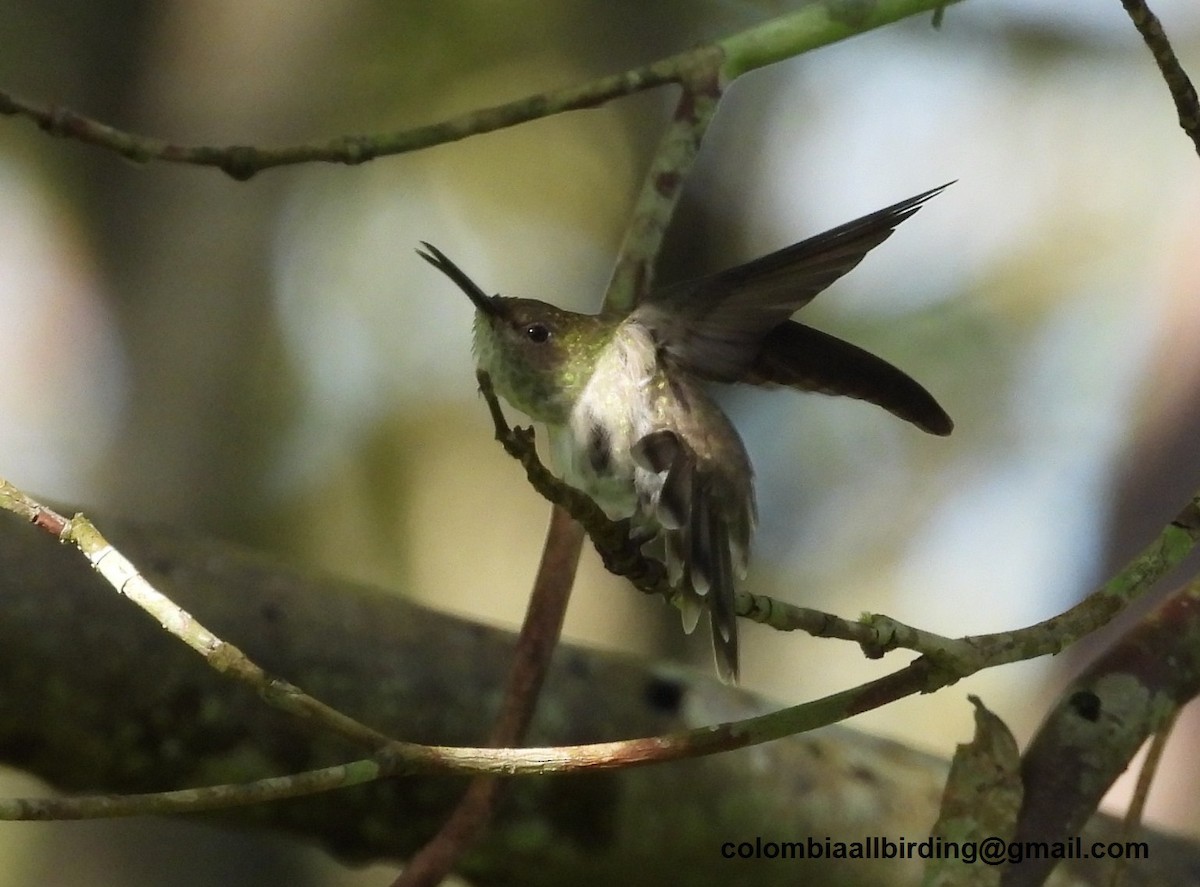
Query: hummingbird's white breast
point(620, 404)
point(651, 446)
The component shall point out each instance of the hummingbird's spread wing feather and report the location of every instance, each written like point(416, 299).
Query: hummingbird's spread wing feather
point(705, 527)
point(801, 357)
point(701, 557)
point(713, 326)
point(722, 618)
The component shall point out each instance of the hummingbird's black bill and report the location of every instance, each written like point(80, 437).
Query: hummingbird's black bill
point(478, 297)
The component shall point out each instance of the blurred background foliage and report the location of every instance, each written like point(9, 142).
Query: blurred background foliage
point(270, 361)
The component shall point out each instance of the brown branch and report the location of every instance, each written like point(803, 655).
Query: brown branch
point(924, 675)
point(564, 539)
point(220, 655)
point(1183, 93)
point(407, 758)
point(531, 663)
point(133, 708)
point(1129, 693)
point(1132, 822)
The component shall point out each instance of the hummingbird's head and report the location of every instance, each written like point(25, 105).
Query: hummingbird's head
point(539, 357)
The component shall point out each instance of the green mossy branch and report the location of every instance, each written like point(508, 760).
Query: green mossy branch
point(816, 25)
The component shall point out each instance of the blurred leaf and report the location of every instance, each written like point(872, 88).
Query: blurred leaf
point(981, 800)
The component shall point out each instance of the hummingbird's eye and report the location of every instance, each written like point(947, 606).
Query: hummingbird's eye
point(537, 333)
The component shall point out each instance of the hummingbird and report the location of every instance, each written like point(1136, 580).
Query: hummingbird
point(629, 419)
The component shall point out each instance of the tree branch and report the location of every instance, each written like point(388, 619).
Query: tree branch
point(1183, 93)
point(814, 25)
point(539, 636)
point(131, 709)
point(1126, 695)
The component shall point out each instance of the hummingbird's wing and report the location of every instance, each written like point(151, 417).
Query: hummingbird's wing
point(705, 523)
point(800, 357)
point(714, 326)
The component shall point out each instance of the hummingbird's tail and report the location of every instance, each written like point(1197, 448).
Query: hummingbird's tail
point(702, 585)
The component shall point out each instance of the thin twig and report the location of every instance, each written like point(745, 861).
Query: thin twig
point(241, 162)
point(1131, 691)
point(788, 35)
point(876, 634)
point(194, 800)
point(221, 655)
point(1132, 821)
point(633, 274)
point(564, 539)
point(531, 662)
point(1183, 93)
point(402, 759)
